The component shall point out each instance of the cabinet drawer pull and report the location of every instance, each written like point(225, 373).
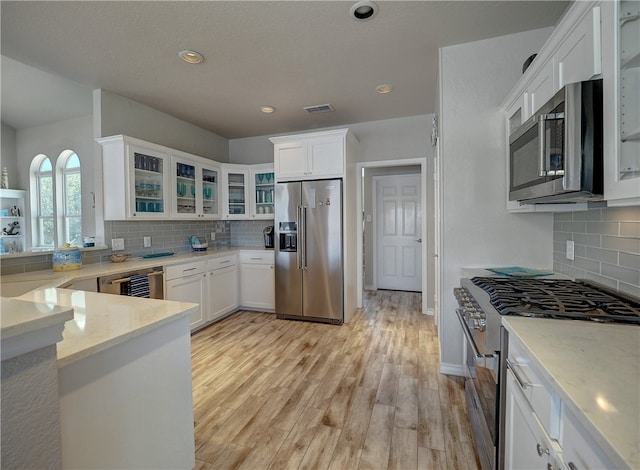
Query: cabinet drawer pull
point(573, 466)
point(522, 383)
point(255, 259)
point(225, 261)
point(190, 269)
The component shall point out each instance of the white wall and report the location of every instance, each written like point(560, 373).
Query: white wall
point(51, 140)
point(8, 158)
point(389, 139)
point(476, 230)
point(120, 115)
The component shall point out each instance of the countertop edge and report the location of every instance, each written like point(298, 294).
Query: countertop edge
point(569, 401)
point(108, 344)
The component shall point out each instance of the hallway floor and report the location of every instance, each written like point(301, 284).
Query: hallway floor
point(281, 394)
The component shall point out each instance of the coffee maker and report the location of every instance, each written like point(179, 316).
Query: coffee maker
point(268, 236)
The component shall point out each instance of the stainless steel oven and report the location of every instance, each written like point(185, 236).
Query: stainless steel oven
point(482, 302)
point(482, 368)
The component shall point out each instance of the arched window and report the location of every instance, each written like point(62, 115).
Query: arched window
point(69, 189)
point(42, 202)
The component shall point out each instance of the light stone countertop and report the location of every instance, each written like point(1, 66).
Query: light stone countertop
point(102, 321)
point(14, 285)
point(595, 369)
point(19, 318)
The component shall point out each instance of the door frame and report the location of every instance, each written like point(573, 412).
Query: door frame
point(422, 161)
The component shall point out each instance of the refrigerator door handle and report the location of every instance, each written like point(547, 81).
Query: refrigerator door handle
point(304, 237)
point(300, 236)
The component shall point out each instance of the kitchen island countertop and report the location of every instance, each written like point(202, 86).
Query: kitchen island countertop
point(102, 321)
point(595, 369)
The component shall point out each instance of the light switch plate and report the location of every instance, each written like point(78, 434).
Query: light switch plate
point(146, 242)
point(117, 244)
point(213, 236)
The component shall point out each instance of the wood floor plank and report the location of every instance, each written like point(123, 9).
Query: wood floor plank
point(375, 452)
point(389, 381)
point(355, 428)
point(277, 394)
point(338, 409)
point(406, 415)
point(320, 450)
point(404, 449)
point(264, 449)
point(345, 457)
point(431, 459)
point(430, 423)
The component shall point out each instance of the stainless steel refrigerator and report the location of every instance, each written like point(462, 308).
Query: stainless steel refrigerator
point(308, 251)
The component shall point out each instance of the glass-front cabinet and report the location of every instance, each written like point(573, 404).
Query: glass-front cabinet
point(621, 73)
point(237, 192)
point(195, 189)
point(262, 196)
point(148, 183)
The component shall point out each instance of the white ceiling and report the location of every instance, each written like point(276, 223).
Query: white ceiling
point(289, 54)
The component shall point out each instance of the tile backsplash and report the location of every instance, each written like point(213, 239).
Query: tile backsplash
point(606, 246)
point(165, 236)
point(248, 232)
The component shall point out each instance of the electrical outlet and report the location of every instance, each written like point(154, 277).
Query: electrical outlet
point(117, 244)
point(146, 242)
point(570, 250)
point(213, 236)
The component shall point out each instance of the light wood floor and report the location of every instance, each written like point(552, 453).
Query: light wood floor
point(283, 394)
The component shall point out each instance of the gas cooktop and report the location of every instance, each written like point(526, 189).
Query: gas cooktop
point(558, 298)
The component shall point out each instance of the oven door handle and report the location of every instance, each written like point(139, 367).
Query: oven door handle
point(485, 360)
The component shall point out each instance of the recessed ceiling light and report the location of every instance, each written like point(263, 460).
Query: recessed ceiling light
point(191, 57)
point(363, 10)
point(268, 109)
point(384, 89)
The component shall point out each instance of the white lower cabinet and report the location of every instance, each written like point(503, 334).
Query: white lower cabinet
point(527, 444)
point(222, 289)
point(579, 449)
point(257, 280)
point(187, 283)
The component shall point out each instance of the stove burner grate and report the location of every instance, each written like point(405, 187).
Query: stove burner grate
point(557, 299)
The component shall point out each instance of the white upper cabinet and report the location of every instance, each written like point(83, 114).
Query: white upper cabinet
point(621, 74)
point(317, 155)
point(541, 89)
point(262, 189)
point(136, 179)
point(578, 57)
point(236, 191)
point(195, 190)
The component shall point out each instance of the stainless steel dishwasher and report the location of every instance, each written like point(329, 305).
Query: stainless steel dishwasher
point(146, 283)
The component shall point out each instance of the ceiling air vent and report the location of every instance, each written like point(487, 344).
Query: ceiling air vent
point(319, 108)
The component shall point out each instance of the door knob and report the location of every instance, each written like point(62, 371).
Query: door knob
point(419, 240)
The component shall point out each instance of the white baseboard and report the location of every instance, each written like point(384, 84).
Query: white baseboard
point(452, 369)
point(430, 311)
point(369, 287)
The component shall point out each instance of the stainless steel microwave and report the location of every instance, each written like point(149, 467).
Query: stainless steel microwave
point(556, 155)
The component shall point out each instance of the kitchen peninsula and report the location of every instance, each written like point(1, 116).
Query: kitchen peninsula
point(124, 379)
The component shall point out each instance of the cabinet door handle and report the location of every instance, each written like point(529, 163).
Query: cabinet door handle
point(573, 466)
point(542, 450)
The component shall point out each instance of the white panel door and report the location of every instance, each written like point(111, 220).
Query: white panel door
point(398, 233)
